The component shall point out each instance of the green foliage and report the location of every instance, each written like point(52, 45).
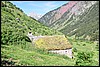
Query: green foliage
point(84, 44)
point(14, 31)
point(33, 57)
point(97, 47)
point(84, 59)
point(74, 50)
point(89, 48)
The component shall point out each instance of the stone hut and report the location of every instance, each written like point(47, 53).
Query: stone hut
point(55, 44)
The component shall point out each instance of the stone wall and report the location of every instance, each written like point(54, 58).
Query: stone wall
point(67, 52)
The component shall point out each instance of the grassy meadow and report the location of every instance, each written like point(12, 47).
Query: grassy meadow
point(28, 55)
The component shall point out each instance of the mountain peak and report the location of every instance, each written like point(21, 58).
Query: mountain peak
point(35, 15)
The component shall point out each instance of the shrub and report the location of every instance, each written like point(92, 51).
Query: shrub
point(74, 49)
point(84, 44)
point(78, 44)
point(84, 59)
point(97, 47)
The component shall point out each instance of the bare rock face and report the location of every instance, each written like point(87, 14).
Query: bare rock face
point(73, 7)
point(54, 15)
point(73, 17)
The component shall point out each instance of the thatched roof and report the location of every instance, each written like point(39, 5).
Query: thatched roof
point(53, 42)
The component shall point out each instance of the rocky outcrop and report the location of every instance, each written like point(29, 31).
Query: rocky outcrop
point(54, 15)
point(80, 18)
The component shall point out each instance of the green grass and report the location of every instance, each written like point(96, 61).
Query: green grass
point(35, 57)
point(28, 55)
point(17, 51)
point(88, 47)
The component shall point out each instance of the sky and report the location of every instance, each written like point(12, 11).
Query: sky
point(38, 7)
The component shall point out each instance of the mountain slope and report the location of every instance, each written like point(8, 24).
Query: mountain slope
point(79, 18)
point(15, 23)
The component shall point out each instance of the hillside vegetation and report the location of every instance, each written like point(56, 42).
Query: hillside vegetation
point(17, 49)
point(14, 31)
point(15, 25)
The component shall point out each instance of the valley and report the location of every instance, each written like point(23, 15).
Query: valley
point(18, 50)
